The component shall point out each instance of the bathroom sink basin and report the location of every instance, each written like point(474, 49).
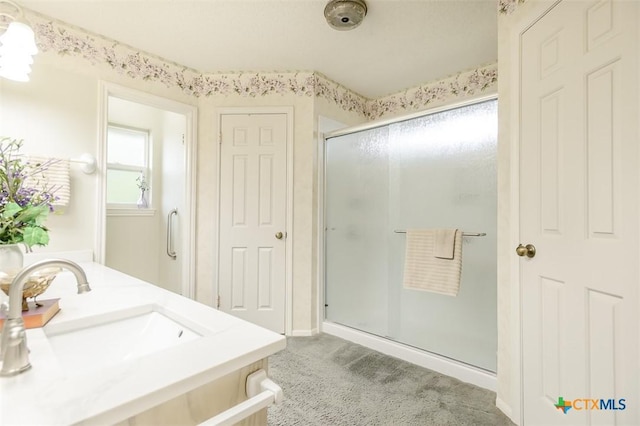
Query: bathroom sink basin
point(116, 337)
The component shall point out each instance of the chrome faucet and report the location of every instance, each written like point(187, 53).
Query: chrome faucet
point(14, 353)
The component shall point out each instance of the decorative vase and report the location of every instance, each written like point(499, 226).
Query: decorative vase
point(142, 201)
point(11, 259)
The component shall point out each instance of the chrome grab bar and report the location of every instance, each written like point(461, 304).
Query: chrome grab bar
point(170, 251)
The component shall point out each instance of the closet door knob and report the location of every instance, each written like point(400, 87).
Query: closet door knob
point(279, 235)
point(529, 250)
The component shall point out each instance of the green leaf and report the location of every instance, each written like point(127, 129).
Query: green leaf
point(11, 209)
point(22, 218)
point(35, 236)
point(34, 215)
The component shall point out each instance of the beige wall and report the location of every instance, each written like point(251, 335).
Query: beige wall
point(57, 120)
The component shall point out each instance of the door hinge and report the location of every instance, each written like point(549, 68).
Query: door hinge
point(218, 302)
point(183, 139)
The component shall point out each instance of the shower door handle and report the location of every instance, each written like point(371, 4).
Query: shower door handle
point(170, 250)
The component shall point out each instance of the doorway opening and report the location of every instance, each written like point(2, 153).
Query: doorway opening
point(146, 227)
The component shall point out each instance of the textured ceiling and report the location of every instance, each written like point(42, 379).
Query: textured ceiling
point(400, 44)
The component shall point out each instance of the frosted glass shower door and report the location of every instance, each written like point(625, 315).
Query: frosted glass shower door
point(357, 184)
point(434, 171)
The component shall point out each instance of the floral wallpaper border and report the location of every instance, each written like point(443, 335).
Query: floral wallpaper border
point(65, 40)
point(507, 7)
point(417, 98)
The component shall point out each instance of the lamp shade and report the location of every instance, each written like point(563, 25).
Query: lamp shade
point(17, 46)
point(18, 76)
point(19, 36)
point(16, 72)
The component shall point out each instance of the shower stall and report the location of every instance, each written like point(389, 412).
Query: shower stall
point(436, 170)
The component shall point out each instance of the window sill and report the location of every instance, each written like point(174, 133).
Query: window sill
point(130, 212)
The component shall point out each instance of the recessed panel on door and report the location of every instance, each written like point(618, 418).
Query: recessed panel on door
point(266, 136)
point(551, 322)
point(550, 136)
point(239, 191)
point(266, 190)
point(604, 348)
point(601, 110)
point(238, 277)
point(265, 277)
point(601, 23)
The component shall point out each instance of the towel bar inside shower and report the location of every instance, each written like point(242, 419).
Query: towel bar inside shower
point(464, 234)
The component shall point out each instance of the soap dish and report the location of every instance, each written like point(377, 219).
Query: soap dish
point(36, 284)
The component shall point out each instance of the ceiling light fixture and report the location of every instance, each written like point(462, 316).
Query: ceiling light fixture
point(345, 15)
point(17, 43)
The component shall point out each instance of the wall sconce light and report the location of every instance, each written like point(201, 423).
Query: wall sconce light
point(17, 43)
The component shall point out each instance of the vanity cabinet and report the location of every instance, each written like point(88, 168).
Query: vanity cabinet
point(204, 402)
point(139, 375)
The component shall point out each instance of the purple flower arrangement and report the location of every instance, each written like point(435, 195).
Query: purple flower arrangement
point(25, 198)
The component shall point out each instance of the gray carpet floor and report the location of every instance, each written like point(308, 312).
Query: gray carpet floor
point(328, 381)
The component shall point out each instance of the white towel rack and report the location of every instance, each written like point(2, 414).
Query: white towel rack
point(88, 161)
point(464, 234)
point(262, 392)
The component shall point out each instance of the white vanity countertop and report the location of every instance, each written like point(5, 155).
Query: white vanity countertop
point(47, 394)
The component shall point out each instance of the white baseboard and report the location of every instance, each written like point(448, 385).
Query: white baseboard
point(449, 367)
point(304, 333)
point(505, 408)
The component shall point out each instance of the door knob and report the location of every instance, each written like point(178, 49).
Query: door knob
point(279, 235)
point(529, 250)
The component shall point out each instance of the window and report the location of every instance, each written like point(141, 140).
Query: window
point(127, 159)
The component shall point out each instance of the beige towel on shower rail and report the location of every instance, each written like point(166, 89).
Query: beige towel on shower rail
point(445, 243)
point(424, 271)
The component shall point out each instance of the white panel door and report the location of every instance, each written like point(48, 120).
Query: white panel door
point(253, 175)
point(579, 208)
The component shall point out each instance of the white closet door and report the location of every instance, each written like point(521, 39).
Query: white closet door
point(579, 208)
